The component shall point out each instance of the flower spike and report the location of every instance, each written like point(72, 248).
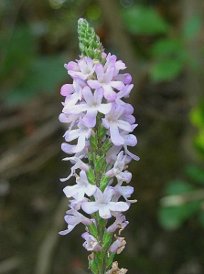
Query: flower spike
point(100, 127)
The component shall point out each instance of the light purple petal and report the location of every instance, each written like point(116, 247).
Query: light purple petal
point(98, 96)
point(66, 89)
point(109, 93)
point(66, 231)
point(126, 191)
point(76, 109)
point(107, 194)
point(108, 76)
point(63, 118)
point(89, 207)
point(105, 108)
point(116, 138)
point(133, 156)
point(67, 148)
point(125, 176)
point(90, 118)
point(88, 95)
point(72, 66)
point(81, 144)
point(90, 190)
point(119, 206)
point(117, 84)
point(104, 212)
point(71, 135)
point(99, 72)
point(94, 84)
point(130, 140)
point(124, 125)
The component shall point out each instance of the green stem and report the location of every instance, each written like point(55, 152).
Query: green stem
point(97, 160)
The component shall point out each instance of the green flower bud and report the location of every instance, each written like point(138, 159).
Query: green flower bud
point(89, 42)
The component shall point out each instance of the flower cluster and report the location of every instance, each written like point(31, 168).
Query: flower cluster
point(99, 131)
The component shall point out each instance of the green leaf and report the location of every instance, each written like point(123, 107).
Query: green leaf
point(104, 182)
point(93, 141)
point(93, 230)
point(197, 116)
point(93, 265)
point(109, 260)
point(144, 20)
point(176, 187)
point(107, 239)
point(192, 27)
point(174, 217)
point(101, 132)
point(44, 75)
point(199, 141)
point(91, 176)
point(168, 48)
point(196, 173)
point(166, 70)
point(19, 51)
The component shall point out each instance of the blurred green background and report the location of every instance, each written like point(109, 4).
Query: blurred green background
point(162, 43)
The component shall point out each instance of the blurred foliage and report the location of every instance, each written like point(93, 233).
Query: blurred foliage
point(183, 199)
point(168, 52)
point(144, 20)
point(31, 74)
point(169, 56)
point(31, 64)
point(197, 119)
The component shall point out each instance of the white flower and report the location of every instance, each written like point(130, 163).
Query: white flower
point(91, 244)
point(81, 188)
point(78, 165)
point(118, 169)
point(104, 204)
point(73, 218)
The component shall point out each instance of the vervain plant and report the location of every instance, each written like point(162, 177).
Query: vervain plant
point(100, 124)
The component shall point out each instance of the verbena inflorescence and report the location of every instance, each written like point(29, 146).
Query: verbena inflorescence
point(99, 131)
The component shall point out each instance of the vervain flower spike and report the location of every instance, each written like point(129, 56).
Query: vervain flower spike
point(99, 131)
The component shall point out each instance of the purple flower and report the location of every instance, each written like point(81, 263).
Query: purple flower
point(82, 69)
point(78, 165)
point(106, 82)
point(92, 105)
point(115, 123)
point(118, 245)
point(91, 244)
point(103, 204)
point(81, 188)
point(124, 191)
point(73, 218)
point(82, 133)
point(97, 93)
point(118, 169)
point(66, 90)
point(120, 223)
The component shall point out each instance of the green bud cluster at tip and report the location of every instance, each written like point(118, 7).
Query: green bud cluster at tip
point(89, 42)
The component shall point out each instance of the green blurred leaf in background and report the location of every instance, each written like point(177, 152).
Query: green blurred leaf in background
point(168, 59)
point(173, 216)
point(144, 20)
point(197, 119)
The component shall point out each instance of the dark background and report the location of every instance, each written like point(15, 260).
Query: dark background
point(162, 43)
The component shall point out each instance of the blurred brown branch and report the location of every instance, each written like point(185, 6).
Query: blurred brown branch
point(9, 265)
point(25, 148)
point(49, 243)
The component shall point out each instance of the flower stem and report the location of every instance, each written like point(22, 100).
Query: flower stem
point(97, 159)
